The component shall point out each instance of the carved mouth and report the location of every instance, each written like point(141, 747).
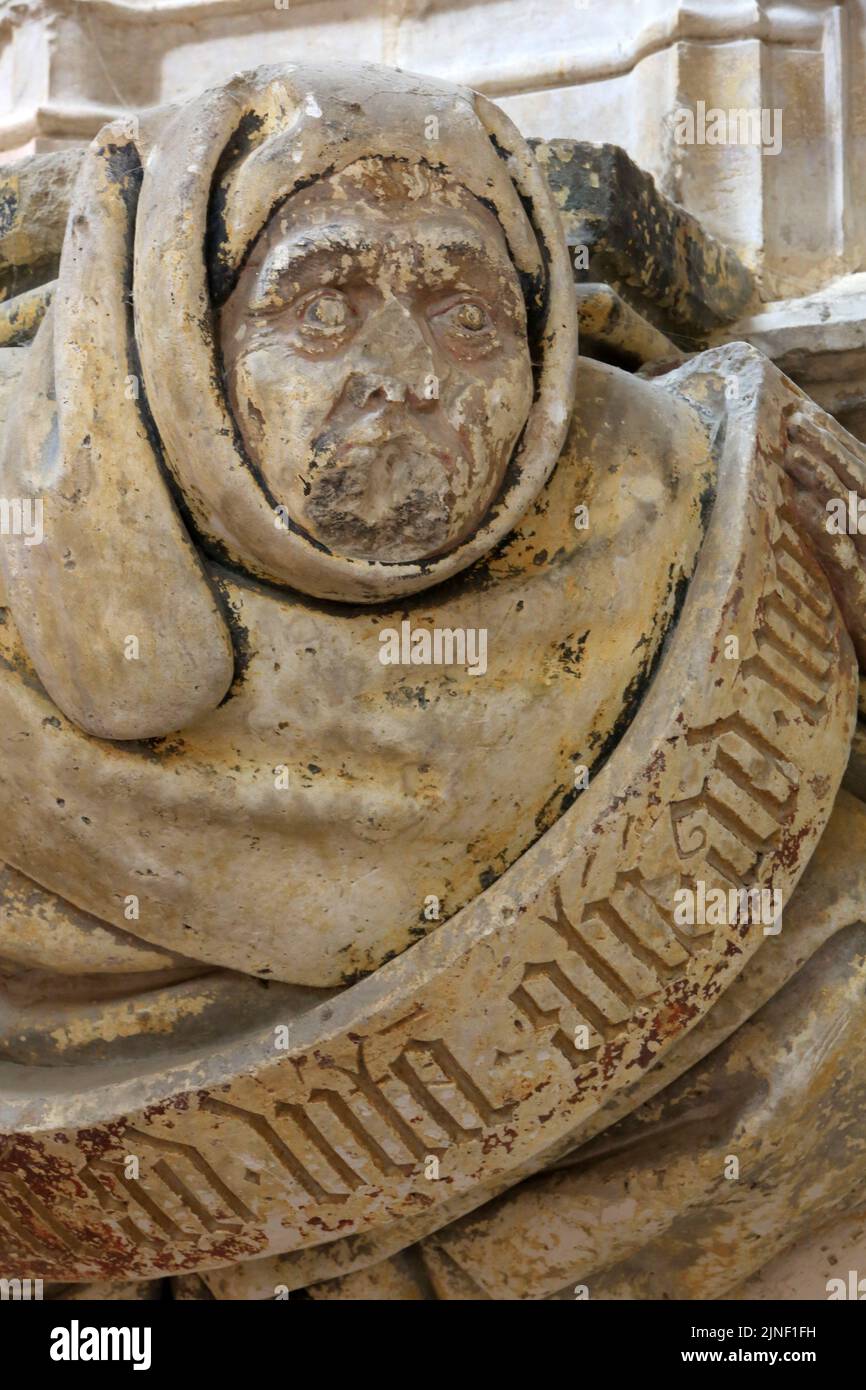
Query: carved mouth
point(386, 494)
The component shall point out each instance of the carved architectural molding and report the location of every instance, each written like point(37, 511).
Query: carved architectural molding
point(599, 70)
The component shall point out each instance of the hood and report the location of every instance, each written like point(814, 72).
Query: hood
point(125, 428)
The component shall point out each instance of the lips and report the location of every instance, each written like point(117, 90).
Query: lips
point(387, 485)
point(387, 495)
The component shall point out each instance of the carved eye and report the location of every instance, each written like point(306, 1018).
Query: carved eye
point(471, 317)
point(325, 314)
point(468, 316)
point(468, 324)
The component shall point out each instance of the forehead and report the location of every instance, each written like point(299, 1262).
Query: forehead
point(449, 235)
point(350, 216)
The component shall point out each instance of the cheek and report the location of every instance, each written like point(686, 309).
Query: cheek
point(514, 387)
point(490, 404)
point(281, 400)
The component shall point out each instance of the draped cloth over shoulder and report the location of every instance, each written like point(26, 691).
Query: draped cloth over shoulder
point(131, 443)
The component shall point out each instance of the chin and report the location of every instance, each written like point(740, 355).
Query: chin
point(413, 528)
point(384, 545)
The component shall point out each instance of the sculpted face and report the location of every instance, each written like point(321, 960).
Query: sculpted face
point(377, 360)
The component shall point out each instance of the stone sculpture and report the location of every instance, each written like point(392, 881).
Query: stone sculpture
point(379, 688)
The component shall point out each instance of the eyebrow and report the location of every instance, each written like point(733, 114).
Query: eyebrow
point(296, 252)
point(462, 241)
point(456, 238)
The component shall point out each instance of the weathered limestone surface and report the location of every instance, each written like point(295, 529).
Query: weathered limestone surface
point(648, 1211)
point(641, 242)
point(815, 1264)
point(374, 968)
point(466, 1254)
point(610, 71)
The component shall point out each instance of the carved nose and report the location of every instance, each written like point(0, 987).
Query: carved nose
point(396, 362)
point(367, 388)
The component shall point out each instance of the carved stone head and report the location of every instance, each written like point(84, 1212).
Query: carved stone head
point(377, 360)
